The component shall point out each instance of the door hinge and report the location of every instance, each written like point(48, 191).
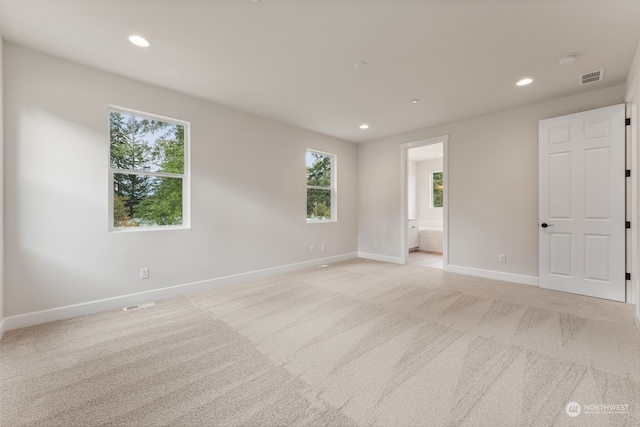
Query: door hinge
point(627, 173)
point(628, 276)
point(627, 121)
point(627, 224)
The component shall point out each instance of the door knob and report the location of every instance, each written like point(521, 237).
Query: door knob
point(545, 225)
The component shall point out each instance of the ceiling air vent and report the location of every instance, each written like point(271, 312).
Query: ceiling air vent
point(594, 76)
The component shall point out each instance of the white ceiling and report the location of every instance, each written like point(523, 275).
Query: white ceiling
point(293, 61)
point(425, 152)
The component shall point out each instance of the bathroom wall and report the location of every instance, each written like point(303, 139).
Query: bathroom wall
point(412, 190)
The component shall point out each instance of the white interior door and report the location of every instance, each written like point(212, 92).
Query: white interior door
point(582, 203)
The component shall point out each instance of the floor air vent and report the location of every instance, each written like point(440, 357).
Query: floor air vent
point(135, 307)
point(594, 76)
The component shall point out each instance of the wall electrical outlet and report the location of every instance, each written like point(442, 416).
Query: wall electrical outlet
point(312, 248)
point(502, 258)
point(144, 273)
point(322, 247)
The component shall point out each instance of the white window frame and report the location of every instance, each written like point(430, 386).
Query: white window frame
point(333, 188)
point(432, 190)
point(185, 176)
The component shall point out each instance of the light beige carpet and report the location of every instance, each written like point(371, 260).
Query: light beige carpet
point(359, 343)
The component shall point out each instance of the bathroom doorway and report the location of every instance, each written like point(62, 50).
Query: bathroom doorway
point(425, 202)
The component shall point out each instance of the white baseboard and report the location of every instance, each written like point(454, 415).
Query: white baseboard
point(67, 312)
point(383, 258)
point(469, 271)
point(496, 275)
point(1, 328)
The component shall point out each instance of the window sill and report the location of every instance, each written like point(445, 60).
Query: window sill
point(320, 221)
point(143, 229)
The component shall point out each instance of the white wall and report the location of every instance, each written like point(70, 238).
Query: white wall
point(633, 98)
point(412, 189)
point(247, 180)
point(483, 220)
point(425, 211)
point(1, 190)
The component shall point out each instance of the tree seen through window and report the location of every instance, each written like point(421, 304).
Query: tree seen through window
point(319, 185)
point(148, 168)
point(436, 190)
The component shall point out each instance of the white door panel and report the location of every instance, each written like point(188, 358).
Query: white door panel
point(560, 254)
point(560, 192)
point(581, 199)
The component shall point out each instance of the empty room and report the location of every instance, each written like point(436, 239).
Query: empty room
point(319, 213)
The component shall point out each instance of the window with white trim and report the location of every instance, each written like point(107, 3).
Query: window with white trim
point(148, 171)
point(437, 188)
point(321, 186)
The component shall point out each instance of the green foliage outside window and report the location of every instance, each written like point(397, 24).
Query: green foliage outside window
point(319, 186)
point(148, 164)
point(437, 189)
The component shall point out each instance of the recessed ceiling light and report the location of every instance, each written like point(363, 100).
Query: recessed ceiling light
point(139, 41)
point(525, 82)
point(364, 126)
point(415, 101)
point(360, 65)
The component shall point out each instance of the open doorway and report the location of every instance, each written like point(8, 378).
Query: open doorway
point(424, 202)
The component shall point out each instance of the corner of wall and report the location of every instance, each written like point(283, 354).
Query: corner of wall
point(2, 324)
point(633, 99)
